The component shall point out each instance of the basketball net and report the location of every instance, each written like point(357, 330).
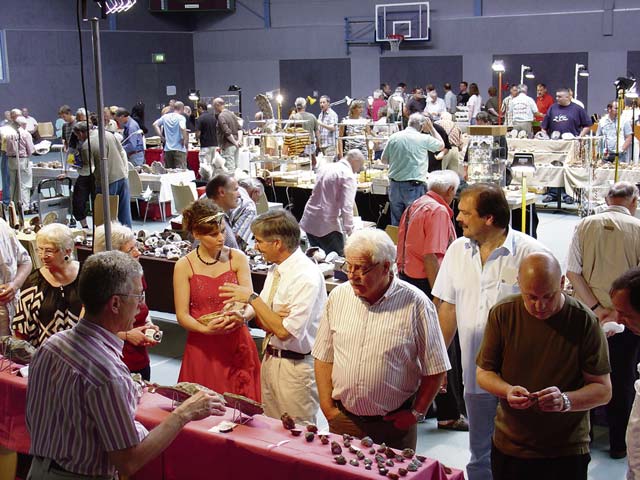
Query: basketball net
point(394, 42)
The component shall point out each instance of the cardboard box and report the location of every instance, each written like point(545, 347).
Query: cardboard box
point(494, 130)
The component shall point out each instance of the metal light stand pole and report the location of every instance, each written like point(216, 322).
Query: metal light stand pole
point(620, 107)
point(499, 98)
point(104, 167)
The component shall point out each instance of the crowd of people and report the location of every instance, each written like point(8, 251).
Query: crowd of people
point(525, 362)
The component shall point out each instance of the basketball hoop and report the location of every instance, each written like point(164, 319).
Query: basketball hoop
point(394, 41)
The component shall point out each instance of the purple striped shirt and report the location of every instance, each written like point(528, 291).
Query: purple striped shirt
point(81, 400)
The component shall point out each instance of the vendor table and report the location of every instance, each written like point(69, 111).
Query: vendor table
point(161, 183)
point(262, 449)
point(157, 155)
point(42, 173)
point(544, 151)
point(573, 178)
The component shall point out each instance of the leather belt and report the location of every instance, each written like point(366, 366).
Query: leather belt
point(276, 352)
point(375, 418)
point(414, 183)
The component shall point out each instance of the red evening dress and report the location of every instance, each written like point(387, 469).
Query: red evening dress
point(224, 363)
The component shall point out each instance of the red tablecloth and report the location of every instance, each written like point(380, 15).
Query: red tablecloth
point(249, 451)
point(156, 155)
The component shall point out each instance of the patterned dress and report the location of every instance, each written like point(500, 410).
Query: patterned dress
point(44, 310)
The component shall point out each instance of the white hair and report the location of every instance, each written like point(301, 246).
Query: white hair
point(523, 88)
point(378, 93)
point(120, 235)
point(442, 180)
point(300, 102)
point(57, 234)
point(373, 243)
point(416, 120)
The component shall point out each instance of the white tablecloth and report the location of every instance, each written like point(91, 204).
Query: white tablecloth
point(577, 177)
point(162, 184)
point(544, 151)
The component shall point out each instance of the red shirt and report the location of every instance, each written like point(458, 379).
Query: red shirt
point(430, 231)
point(137, 358)
point(378, 103)
point(543, 103)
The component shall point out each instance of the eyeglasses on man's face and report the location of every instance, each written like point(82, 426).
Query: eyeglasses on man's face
point(350, 269)
point(140, 297)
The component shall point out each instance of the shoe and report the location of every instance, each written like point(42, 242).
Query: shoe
point(617, 454)
point(567, 199)
point(460, 425)
point(548, 199)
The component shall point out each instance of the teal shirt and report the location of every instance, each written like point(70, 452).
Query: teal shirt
point(407, 154)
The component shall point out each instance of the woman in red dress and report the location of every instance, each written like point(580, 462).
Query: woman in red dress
point(220, 354)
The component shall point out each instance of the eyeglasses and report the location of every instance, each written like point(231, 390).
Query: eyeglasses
point(140, 296)
point(47, 252)
point(359, 269)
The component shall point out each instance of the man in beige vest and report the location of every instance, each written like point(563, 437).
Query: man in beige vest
point(605, 246)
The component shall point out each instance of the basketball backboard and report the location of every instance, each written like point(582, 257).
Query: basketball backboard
point(408, 19)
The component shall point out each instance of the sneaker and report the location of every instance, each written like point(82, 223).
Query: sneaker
point(459, 425)
point(548, 199)
point(567, 199)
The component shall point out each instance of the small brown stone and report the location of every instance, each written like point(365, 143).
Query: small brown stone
point(402, 472)
point(295, 432)
point(366, 442)
point(390, 453)
point(340, 460)
point(336, 449)
point(392, 476)
point(287, 422)
point(309, 436)
point(408, 453)
point(312, 428)
point(324, 439)
point(354, 462)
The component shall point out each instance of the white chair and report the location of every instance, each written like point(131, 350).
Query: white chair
point(263, 204)
point(136, 194)
point(183, 196)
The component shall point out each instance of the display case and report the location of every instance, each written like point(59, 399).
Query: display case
point(487, 160)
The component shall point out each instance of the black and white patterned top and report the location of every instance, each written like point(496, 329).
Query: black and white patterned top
point(44, 310)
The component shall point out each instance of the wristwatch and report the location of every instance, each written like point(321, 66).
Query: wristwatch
point(252, 297)
point(566, 402)
point(419, 415)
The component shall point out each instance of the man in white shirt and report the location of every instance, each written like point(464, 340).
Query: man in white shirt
point(379, 354)
point(450, 99)
point(608, 126)
point(328, 215)
point(32, 124)
point(625, 296)
point(523, 108)
point(435, 105)
point(477, 271)
point(295, 284)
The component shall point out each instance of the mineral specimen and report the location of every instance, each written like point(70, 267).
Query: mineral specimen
point(408, 453)
point(389, 463)
point(295, 432)
point(309, 436)
point(336, 449)
point(312, 428)
point(392, 476)
point(383, 471)
point(366, 442)
point(287, 421)
point(354, 462)
point(324, 439)
point(390, 453)
point(402, 472)
point(340, 460)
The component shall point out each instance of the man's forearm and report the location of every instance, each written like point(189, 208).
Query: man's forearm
point(590, 396)
point(269, 320)
point(582, 289)
point(448, 324)
point(492, 382)
point(431, 267)
point(323, 371)
point(429, 387)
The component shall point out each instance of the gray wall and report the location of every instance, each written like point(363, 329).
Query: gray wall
point(238, 49)
point(44, 57)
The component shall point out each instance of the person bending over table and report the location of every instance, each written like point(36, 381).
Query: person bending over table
point(134, 352)
point(220, 353)
point(49, 300)
point(81, 400)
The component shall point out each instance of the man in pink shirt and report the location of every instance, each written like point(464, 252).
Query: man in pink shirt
point(331, 203)
point(425, 232)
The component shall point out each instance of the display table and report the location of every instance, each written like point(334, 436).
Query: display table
point(258, 450)
point(573, 178)
point(544, 151)
point(43, 173)
point(157, 155)
point(161, 183)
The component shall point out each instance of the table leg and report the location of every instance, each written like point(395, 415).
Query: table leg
point(8, 464)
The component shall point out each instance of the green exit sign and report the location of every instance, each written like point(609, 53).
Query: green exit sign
point(158, 57)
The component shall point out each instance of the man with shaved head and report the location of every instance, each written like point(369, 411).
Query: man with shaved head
point(545, 356)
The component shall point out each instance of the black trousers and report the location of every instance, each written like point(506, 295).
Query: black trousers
point(449, 405)
point(83, 189)
point(506, 467)
point(624, 355)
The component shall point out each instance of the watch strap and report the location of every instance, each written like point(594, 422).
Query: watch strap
point(252, 297)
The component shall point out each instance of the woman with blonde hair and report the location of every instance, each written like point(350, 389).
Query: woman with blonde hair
point(49, 300)
point(355, 126)
point(220, 353)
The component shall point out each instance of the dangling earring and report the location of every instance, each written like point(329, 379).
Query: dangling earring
point(66, 258)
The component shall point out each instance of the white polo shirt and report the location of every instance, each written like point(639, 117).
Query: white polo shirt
point(474, 288)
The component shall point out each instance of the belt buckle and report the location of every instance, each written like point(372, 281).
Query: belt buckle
point(275, 352)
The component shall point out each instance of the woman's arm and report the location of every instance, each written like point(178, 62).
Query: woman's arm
point(182, 297)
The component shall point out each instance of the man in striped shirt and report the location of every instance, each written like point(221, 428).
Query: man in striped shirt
point(81, 400)
point(379, 354)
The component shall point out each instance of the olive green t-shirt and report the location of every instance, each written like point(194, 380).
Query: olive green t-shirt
point(537, 354)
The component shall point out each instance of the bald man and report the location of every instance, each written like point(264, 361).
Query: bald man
point(545, 356)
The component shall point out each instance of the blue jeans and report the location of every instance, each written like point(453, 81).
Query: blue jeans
point(4, 172)
point(481, 412)
point(403, 194)
point(121, 188)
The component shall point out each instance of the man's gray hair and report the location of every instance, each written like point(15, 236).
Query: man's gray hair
point(81, 127)
point(300, 102)
point(81, 111)
point(120, 235)
point(378, 93)
point(416, 120)
point(522, 88)
point(620, 190)
point(104, 275)
point(251, 184)
point(16, 111)
point(373, 243)
point(442, 180)
point(326, 97)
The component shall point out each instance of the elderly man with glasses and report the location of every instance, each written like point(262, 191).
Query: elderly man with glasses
point(379, 354)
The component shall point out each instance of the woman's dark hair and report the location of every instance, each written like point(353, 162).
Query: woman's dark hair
point(199, 217)
point(137, 113)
